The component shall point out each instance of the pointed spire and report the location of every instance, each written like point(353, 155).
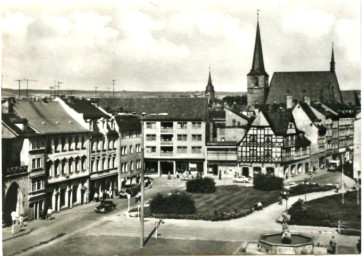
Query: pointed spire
point(258, 60)
point(333, 64)
point(209, 82)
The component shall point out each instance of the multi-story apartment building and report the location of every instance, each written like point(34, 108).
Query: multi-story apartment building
point(309, 123)
point(104, 142)
point(174, 142)
point(57, 158)
point(357, 148)
point(129, 149)
point(273, 145)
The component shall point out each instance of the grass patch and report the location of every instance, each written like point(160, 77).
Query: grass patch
point(333, 210)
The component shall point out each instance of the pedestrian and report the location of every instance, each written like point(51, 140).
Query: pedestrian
point(337, 188)
point(49, 213)
point(96, 197)
point(21, 219)
point(333, 244)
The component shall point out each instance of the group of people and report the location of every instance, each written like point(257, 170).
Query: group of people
point(103, 195)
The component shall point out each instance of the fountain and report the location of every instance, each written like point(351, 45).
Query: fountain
point(286, 243)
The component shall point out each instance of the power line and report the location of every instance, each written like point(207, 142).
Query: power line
point(113, 87)
point(27, 85)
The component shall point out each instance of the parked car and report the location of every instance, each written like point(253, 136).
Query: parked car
point(122, 194)
point(241, 179)
point(105, 206)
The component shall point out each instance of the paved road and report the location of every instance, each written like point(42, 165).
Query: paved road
point(77, 219)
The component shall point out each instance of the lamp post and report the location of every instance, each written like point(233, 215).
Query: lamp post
point(142, 116)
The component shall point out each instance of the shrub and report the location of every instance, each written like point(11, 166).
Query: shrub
point(201, 185)
point(267, 182)
point(302, 189)
point(176, 203)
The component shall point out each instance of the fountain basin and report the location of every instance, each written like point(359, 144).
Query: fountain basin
point(272, 244)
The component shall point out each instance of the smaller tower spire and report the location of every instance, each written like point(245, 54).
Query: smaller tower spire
point(209, 82)
point(333, 64)
point(210, 92)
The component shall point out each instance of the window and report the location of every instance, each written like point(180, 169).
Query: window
point(131, 149)
point(57, 168)
point(252, 138)
point(181, 137)
point(267, 152)
point(150, 149)
point(256, 81)
point(63, 143)
point(70, 165)
point(76, 142)
point(114, 144)
point(132, 166)
point(182, 125)
point(151, 137)
point(37, 185)
point(252, 152)
point(196, 124)
point(196, 150)
point(150, 125)
point(196, 137)
point(124, 168)
point(123, 150)
point(56, 145)
point(138, 148)
point(36, 163)
point(138, 164)
point(114, 162)
point(93, 168)
point(83, 142)
point(64, 162)
point(104, 144)
point(181, 149)
point(268, 138)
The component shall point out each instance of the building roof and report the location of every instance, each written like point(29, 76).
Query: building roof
point(128, 123)
point(258, 60)
point(47, 118)
point(309, 112)
point(302, 141)
point(352, 97)
point(10, 129)
point(318, 85)
point(343, 110)
point(177, 108)
point(324, 111)
point(236, 112)
point(279, 120)
point(215, 114)
point(86, 108)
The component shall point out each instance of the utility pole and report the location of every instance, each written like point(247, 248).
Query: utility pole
point(113, 87)
point(59, 83)
point(19, 81)
point(95, 91)
point(27, 86)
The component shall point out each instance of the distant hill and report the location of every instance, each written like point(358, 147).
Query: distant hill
point(6, 92)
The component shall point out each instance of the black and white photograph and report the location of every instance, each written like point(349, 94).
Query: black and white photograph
point(180, 127)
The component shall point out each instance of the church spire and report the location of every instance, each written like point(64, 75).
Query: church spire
point(333, 64)
point(210, 92)
point(258, 60)
point(209, 82)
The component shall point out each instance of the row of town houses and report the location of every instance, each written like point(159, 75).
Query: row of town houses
point(58, 153)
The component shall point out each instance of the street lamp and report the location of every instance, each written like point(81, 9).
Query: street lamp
point(142, 116)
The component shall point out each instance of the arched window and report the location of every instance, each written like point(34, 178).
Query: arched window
point(256, 81)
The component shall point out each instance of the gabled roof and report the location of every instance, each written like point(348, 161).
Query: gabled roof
point(279, 120)
point(187, 109)
point(324, 112)
point(302, 141)
point(318, 85)
point(343, 110)
point(239, 114)
point(352, 97)
point(86, 108)
point(309, 112)
point(128, 123)
point(47, 118)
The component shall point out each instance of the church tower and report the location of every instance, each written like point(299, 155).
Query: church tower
point(210, 92)
point(258, 78)
point(332, 64)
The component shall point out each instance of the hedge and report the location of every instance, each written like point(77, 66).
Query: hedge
point(201, 185)
point(302, 189)
point(134, 190)
point(216, 216)
point(176, 203)
point(302, 215)
point(268, 182)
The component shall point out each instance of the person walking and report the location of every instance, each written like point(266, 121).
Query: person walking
point(49, 213)
point(333, 244)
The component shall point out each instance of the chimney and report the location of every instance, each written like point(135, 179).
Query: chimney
point(307, 99)
point(10, 103)
point(289, 102)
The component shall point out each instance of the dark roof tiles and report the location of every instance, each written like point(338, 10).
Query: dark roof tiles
point(86, 108)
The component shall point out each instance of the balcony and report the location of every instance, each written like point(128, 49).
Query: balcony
point(166, 142)
point(166, 129)
point(17, 170)
point(169, 153)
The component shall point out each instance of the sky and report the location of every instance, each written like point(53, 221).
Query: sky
point(170, 45)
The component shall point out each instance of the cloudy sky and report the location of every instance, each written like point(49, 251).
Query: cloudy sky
point(169, 45)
